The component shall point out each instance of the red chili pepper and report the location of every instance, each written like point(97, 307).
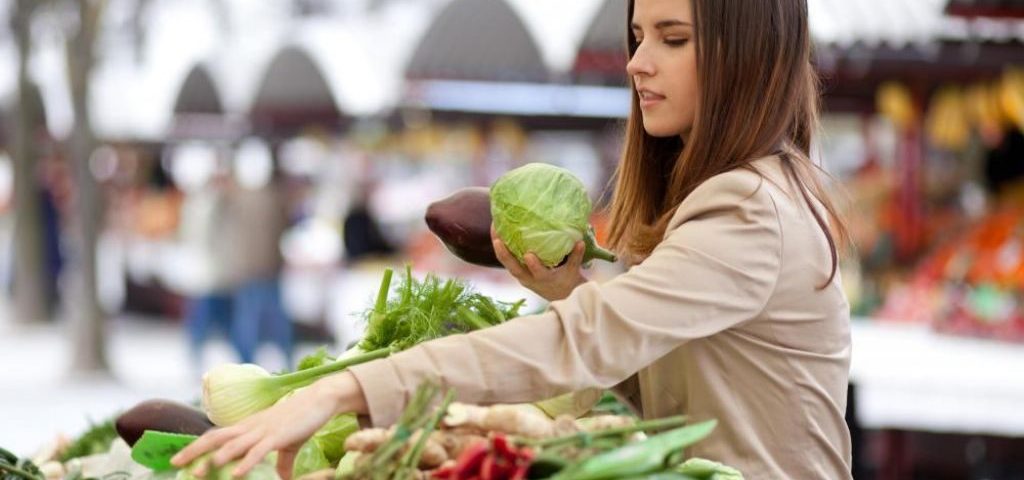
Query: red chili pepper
point(501, 446)
point(445, 473)
point(488, 468)
point(469, 462)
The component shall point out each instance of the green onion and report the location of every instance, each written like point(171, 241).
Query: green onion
point(233, 392)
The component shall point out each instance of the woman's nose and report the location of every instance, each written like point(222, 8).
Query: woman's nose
point(639, 64)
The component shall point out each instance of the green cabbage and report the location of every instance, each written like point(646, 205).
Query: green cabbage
point(331, 437)
point(544, 209)
point(309, 459)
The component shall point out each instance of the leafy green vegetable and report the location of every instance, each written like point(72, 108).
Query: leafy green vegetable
point(331, 437)
point(14, 468)
point(309, 459)
point(544, 209)
point(704, 469)
point(420, 310)
point(639, 458)
point(96, 439)
point(611, 405)
point(315, 359)
point(347, 465)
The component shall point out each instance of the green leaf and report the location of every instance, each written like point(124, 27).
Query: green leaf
point(315, 359)
point(331, 437)
point(347, 464)
point(420, 310)
point(705, 469)
point(13, 468)
point(96, 439)
point(610, 404)
point(309, 459)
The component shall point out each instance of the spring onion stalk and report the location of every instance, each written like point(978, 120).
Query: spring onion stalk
point(233, 392)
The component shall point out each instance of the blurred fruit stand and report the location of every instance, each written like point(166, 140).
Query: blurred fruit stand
point(923, 125)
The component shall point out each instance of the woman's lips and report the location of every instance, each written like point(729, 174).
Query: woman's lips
point(649, 98)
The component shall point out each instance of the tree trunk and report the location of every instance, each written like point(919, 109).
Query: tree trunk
point(87, 318)
point(30, 285)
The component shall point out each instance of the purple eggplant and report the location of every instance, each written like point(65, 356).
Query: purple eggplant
point(463, 223)
point(162, 416)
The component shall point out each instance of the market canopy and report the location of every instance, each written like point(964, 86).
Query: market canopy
point(601, 57)
point(293, 93)
point(198, 94)
point(478, 40)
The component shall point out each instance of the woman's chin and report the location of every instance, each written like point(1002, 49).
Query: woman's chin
point(659, 130)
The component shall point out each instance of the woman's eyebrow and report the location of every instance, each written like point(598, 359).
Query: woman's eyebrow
point(663, 24)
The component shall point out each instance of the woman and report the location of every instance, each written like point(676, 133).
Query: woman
point(732, 309)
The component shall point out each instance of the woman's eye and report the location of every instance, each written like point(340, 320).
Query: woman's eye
point(676, 42)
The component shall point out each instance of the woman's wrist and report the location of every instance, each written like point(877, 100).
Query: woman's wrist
point(344, 393)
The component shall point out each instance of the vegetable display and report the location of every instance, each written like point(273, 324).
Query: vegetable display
point(506, 442)
point(434, 438)
point(536, 208)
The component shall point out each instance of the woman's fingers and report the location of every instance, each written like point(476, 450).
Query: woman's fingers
point(576, 257)
point(256, 455)
point(203, 444)
point(286, 462)
point(235, 448)
point(509, 261)
point(536, 267)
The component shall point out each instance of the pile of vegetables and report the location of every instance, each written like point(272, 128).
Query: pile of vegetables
point(537, 208)
point(507, 442)
point(403, 314)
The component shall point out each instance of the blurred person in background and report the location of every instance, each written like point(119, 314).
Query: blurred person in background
point(256, 218)
point(209, 282)
point(55, 190)
point(361, 231)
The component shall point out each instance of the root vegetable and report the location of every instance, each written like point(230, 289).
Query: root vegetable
point(604, 422)
point(367, 441)
point(514, 420)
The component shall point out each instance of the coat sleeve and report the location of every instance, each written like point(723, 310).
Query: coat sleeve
point(715, 269)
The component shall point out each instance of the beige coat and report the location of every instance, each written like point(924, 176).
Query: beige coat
point(723, 320)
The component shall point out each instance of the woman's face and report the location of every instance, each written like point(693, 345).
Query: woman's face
point(664, 66)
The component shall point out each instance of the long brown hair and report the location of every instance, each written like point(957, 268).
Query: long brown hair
point(758, 96)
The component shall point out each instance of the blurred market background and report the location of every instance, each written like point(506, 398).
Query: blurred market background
point(171, 170)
